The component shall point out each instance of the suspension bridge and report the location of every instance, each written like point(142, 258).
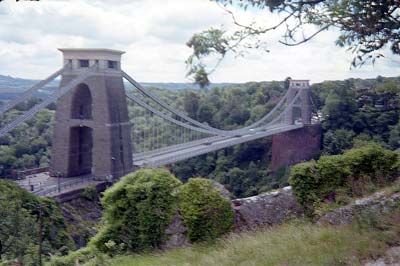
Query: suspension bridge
point(97, 136)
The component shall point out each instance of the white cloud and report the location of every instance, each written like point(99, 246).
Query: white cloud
point(154, 33)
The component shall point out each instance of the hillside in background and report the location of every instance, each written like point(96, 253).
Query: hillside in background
point(10, 87)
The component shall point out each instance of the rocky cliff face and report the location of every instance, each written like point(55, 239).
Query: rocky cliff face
point(82, 216)
point(377, 204)
point(265, 209)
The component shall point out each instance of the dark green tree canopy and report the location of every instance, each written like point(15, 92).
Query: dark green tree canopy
point(365, 28)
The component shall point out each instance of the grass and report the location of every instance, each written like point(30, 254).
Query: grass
point(289, 244)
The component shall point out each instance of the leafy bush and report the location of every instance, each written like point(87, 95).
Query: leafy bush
point(205, 212)
point(137, 210)
point(370, 164)
point(305, 184)
point(355, 173)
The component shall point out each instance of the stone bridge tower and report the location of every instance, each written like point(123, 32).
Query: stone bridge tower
point(92, 129)
point(303, 110)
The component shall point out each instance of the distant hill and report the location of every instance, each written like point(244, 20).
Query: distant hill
point(11, 84)
point(10, 87)
point(181, 86)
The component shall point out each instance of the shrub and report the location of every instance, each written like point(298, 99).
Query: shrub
point(305, 183)
point(90, 193)
point(332, 173)
point(137, 210)
point(205, 212)
point(355, 173)
point(370, 164)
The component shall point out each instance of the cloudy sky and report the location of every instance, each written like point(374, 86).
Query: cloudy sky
point(153, 33)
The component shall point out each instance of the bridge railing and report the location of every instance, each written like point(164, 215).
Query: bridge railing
point(70, 185)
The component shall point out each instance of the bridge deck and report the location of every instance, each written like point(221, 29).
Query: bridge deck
point(181, 152)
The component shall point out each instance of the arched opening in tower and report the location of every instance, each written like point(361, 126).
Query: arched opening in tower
point(297, 115)
point(81, 103)
point(80, 151)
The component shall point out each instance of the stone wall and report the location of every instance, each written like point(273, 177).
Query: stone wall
point(295, 146)
point(77, 193)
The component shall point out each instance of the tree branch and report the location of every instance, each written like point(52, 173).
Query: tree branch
point(306, 39)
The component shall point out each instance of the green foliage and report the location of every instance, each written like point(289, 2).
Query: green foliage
point(205, 212)
point(370, 164)
point(338, 141)
point(29, 144)
point(355, 110)
point(206, 43)
point(90, 193)
point(137, 210)
point(305, 184)
point(394, 137)
point(340, 107)
point(355, 173)
point(19, 225)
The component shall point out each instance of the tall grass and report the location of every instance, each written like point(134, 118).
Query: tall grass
point(289, 244)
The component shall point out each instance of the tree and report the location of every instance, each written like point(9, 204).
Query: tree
point(340, 107)
point(191, 103)
point(394, 138)
point(337, 141)
point(365, 28)
point(206, 112)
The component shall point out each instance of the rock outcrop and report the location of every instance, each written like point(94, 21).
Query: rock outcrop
point(265, 209)
point(391, 258)
point(176, 233)
point(378, 203)
point(82, 216)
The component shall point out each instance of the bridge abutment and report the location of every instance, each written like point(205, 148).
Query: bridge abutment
point(295, 146)
point(92, 128)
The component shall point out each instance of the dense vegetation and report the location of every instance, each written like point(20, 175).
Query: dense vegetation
point(357, 110)
point(29, 145)
point(338, 178)
point(20, 216)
